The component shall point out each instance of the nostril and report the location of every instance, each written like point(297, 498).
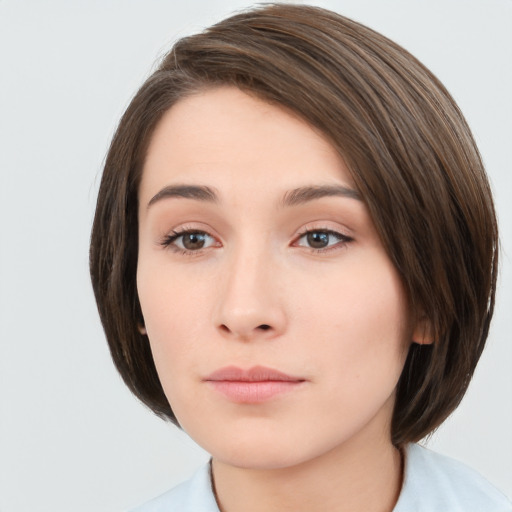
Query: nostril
point(243, 333)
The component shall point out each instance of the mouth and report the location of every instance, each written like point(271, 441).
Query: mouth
point(252, 386)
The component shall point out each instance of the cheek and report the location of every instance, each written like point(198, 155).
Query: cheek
point(172, 325)
point(174, 310)
point(359, 318)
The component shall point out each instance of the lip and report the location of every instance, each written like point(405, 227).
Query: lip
point(254, 385)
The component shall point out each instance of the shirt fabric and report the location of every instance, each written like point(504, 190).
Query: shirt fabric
point(432, 483)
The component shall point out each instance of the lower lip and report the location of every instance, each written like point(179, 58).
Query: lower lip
point(253, 392)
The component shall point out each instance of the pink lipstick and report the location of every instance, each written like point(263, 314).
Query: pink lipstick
point(255, 385)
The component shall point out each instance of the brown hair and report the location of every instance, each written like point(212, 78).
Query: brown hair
point(411, 155)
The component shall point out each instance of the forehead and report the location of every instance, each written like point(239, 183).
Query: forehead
point(227, 137)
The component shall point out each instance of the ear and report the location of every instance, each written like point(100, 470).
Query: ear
point(423, 333)
point(142, 329)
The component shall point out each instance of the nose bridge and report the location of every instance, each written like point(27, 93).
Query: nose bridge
point(249, 303)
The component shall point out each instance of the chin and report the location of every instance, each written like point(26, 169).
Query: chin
point(271, 452)
point(260, 457)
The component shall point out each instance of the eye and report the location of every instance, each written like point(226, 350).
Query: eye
point(189, 240)
point(319, 239)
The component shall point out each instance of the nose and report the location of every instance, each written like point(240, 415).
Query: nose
point(250, 304)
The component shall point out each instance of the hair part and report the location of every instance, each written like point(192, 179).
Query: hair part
point(411, 155)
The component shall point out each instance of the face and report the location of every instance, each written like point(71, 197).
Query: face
point(277, 322)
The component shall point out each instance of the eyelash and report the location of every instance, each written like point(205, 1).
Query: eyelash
point(168, 241)
point(342, 240)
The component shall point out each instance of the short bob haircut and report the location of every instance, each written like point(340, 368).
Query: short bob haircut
point(410, 153)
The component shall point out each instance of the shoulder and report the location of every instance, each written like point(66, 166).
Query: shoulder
point(433, 482)
point(194, 495)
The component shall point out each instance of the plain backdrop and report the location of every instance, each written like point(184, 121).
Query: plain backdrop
point(72, 438)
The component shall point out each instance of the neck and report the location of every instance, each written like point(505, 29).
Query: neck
point(357, 476)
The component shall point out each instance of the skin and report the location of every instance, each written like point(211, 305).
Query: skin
point(257, 293)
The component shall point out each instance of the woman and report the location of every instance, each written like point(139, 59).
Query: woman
point(294, 256)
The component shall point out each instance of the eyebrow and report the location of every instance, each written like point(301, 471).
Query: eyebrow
point(197, 192)
point(293, 197)
point(303, 195)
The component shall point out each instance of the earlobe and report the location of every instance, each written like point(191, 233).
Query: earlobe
point(423, 333)
point(142, 329)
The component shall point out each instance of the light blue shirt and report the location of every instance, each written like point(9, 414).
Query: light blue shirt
point(432, 483)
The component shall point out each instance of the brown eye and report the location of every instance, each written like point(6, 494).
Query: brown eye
point(189, 241)
point(323, 239)
point(193, 241)
point(317, 239)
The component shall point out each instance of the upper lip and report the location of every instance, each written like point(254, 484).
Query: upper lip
point(254, 374)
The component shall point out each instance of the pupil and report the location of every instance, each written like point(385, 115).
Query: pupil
point(318, 240)
point(193, 241)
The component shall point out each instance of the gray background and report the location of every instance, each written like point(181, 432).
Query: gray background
point(72, 438)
